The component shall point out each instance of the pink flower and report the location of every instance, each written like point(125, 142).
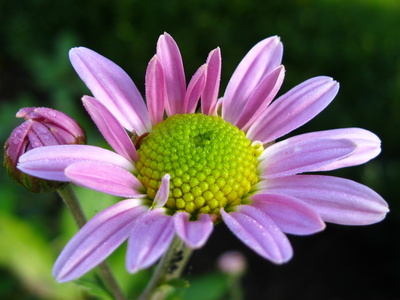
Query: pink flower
point(238, 174)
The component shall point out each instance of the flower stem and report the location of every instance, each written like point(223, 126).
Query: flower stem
point(70, 199)
point(67, 193)
point(170, 267)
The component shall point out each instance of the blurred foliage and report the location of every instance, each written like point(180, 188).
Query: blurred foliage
point(356, 42)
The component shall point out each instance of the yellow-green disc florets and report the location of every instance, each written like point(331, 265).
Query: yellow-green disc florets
point(211, 163)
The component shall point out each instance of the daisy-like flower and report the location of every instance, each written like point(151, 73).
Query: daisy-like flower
point(183, 173)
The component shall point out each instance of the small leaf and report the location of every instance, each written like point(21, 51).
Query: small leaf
point(207, 287)
point(179, 283)
point(94, 287)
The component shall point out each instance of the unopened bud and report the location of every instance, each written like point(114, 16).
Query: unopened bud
point(43, 127)
point(232, 262)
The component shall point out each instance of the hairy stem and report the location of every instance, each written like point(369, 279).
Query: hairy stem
point(70, 199)
point(170, 267)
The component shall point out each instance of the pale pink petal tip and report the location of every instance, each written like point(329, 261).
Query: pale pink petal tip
point(336, 200)
point(110, 84)
point(155, 90)
point(262, 58)
point(194, 90)
point(105, 178)
point(211, 88)
point(175, 82)
point(162, 194)
point(259, 232)
point(149, 239)
point(293, 156)
point(50, 162)
point(110, 128)
point(97, 240)
point(294, 109)
point(289, 214)
point(194, 233)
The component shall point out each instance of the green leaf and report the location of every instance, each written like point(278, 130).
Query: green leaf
point(94, 288)
point(26, 253)
point(207, 287)
point(179, 283)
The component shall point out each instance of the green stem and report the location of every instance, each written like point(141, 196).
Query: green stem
point(70, 199)
point(235, 288)
point(170, 267)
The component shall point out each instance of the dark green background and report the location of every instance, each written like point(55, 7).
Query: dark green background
point(357, 42)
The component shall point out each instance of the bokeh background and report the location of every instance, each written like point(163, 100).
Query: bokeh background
point(357, 42)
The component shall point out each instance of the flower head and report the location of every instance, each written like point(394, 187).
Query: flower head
point(185, 173)
point(42, 127)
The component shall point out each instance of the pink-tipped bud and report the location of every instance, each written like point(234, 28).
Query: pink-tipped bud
point(43, 127)
point(232, 263)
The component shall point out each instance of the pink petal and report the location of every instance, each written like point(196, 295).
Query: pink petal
point(211, 89)
point(112, 87)
point(368, 145)
point(149, 239)
point(293, 109)
point(175, 82)
point(155, 90)
point(51, 116)
point(194, 90)
point(97, 240)
point(262, 96)
point(105, 178)
point(293, 156)
point(17, 141)
point(41, 134)
point(337, 200)
point(50, 162)
point(163, 192)
point(258, 62)
point(289, 214)
point(110, 128)
point(194, 233)
point(259, 232)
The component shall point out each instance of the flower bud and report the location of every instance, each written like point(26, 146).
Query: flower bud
point(43, 127)
point(232, 263)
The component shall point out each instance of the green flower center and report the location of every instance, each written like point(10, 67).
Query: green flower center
point(211, 163)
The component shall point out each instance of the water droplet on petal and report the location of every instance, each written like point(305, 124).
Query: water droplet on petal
point(52, 114)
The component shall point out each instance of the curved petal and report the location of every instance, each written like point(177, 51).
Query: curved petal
point(291, 157)
point(155, 90)
point(105, 178)
point(259, 232)
point(163, 192)
point(51, 116)
point(97, 240)
point(50, 162)
point(112, 87)
point(17, 143)
point(149, 239)
point(110, 128)
point(262, 96)
point(194, 90)
point(40, 135)
point(259, 61)
point(175, 82)
point(211, 89)
point(289, 214)
point(337, 200)
point(293, 109)
point(193, 233)
point(368, 145)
